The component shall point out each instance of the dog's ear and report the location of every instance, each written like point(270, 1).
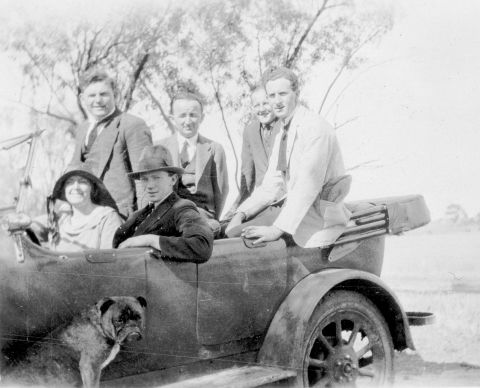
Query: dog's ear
point(142, 301)
point(105, 304)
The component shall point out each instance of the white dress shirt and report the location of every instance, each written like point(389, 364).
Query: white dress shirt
point(93, 123)
point(191, 145)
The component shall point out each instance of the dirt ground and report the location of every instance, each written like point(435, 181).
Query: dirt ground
point(413, 371)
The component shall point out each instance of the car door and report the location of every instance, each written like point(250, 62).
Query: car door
point(239, 289)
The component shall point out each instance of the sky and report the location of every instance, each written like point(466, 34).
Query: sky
point(417, 108)
point(415, 102)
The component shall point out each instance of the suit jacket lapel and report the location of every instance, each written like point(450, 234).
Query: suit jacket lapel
point(172, 144)
point(202, 157)
point(259, 140)
point(155, 218)
point(105, 142)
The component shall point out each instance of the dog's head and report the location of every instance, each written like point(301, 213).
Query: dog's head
point(122, 318)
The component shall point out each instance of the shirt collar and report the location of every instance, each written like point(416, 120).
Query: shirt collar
point(161, 201)
point(267, 126)
point(192, 141)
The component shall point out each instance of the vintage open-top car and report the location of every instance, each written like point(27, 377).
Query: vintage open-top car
point(308, 317)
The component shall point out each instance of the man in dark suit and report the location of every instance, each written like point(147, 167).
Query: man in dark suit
point(168, 223)
point(109, 143)
point(205, 181)
point(258, 139)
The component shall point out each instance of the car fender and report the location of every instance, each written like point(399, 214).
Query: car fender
point(286, 333)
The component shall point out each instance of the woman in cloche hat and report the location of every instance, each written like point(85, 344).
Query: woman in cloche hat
point(88, 219)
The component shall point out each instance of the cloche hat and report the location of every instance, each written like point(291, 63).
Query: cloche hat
point(100, 195)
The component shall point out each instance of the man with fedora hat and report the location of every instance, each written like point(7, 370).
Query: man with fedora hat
point(168, 223)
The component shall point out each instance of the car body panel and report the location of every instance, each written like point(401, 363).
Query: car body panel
point(223, 308)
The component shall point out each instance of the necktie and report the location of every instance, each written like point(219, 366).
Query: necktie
point(282, 154)
point(184, 158)
point(266, 131)
point(92, 136)
point(142, 217)
point(266, 138)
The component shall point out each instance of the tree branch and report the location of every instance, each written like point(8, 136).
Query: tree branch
point(338, 126)
point(346, 62)
point(362, 164)
point(133, 81)
point(351, 82)
point(220, 106)
point(289, 61)
point(330, 86)
point(259, 56)
point(47, 113)
point(155, 100)
point(44, 76)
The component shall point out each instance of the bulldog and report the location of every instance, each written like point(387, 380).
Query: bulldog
point(75, 354)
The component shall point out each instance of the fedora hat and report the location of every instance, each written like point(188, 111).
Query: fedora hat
point(155, 158)
point(100, 195)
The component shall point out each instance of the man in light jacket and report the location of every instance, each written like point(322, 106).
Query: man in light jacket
point(305, 162)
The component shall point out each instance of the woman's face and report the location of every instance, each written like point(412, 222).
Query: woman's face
point(78, 190)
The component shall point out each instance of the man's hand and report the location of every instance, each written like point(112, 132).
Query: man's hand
point(146, 240)
point(262, 233)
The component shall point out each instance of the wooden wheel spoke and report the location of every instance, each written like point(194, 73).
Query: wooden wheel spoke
point(316, 363)
point(325, 343)
point(354, 333)
point(364, 350)
point(338, 331)
point(366, 372)
point(348, 344)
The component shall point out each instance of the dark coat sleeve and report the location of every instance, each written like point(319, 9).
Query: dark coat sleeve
point(127, 229)
point(195, 244)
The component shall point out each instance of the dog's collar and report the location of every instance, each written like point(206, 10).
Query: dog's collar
point(111, 356)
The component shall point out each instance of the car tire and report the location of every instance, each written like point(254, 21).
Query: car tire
point(347, 343)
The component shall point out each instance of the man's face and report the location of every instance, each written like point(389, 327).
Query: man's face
point(187, 116)
point(281, 97)
point(261, 106)
point(157, 185)
point(99, 99)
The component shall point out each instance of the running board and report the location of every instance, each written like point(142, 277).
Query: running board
point(244, 377)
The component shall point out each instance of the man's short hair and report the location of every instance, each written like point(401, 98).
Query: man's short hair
point(97, 76)
point(274, 73)
point(186, 96)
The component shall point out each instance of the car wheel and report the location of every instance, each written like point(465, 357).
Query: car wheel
point(347, 343)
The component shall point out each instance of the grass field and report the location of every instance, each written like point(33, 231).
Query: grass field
point(439, 273)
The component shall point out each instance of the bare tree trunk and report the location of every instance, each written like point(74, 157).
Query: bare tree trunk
point(291, 59)
point(155, 100)
point(133, 82)
point(346, 62)
point(220, 106)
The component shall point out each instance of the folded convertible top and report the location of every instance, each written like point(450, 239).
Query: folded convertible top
point(393, 215)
